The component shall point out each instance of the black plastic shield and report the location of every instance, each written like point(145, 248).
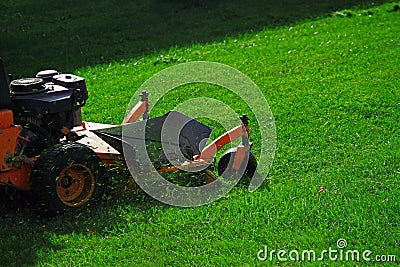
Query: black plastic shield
point(5, 100)
point(173, 136)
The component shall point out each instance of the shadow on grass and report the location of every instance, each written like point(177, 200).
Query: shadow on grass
point(24, 234)
point(73, 34)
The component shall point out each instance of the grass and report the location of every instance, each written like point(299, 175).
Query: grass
point(332, 84)
point(55, 34)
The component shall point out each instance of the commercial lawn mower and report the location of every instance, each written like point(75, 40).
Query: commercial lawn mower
point(46, 149)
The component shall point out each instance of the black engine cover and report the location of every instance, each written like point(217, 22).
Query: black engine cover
point(53, 99)
point(52, 105)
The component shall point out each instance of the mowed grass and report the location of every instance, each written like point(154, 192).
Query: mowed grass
point(333, 86)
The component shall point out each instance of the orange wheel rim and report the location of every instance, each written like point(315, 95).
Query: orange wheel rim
point(75, 185)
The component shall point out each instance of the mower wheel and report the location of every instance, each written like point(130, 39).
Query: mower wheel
point(225, 167)
point(67, 177)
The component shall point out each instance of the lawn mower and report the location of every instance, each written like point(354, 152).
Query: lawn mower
point(63, 162)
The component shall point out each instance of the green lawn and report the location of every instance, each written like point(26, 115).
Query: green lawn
point(330, 73)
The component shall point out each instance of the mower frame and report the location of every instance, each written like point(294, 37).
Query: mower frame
point(16, 169)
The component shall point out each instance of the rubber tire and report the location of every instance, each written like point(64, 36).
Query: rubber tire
point(223, 165)
point(50, 165)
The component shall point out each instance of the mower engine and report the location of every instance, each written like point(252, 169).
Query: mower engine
point(51, 101)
